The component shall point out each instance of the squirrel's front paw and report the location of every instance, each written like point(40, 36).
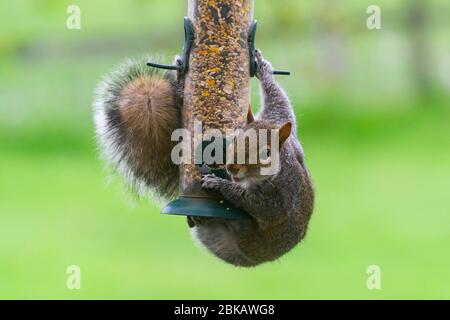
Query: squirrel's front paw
point(263, 67)
point(210, 181)
point(178, 62)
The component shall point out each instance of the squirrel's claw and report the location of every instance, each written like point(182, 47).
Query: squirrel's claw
point(258, 55)
point(263, 67)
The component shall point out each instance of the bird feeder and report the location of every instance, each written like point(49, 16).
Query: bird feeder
point(217, 64)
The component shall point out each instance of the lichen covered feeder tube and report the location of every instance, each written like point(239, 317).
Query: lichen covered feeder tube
point(216, 92)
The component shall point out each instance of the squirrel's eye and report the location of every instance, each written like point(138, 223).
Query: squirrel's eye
point(265, 154)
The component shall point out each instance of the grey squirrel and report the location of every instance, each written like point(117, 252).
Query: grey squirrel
point(136, 110)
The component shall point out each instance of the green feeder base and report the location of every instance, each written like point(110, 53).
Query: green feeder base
point(204, 207)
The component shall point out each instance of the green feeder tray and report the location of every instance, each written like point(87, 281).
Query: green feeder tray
point(204, 207)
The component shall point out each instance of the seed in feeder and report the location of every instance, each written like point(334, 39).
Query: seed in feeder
point(215, 70)
point(214, 49)
point(227, 89)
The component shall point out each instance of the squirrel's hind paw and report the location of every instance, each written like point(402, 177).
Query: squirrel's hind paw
point(177, 61)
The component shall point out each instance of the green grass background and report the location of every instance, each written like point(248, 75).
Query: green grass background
point(378, 153)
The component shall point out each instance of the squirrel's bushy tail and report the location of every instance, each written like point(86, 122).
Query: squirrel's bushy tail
point(135, 112)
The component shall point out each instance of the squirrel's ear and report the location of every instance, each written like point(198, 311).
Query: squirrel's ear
point(250, 117)
point(285, 132)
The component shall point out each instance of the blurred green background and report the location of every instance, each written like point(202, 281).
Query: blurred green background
point(374, 118)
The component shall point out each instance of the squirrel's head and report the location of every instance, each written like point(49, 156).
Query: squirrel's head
point(257, 150)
